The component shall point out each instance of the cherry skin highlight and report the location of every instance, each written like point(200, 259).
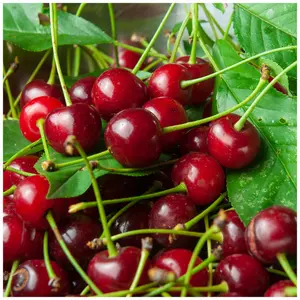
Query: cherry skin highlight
point(277, 289)
point(81, 90)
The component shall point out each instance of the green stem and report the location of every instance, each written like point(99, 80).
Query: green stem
point(54, 28)
point(20, 172)
point(209, 248)
point(51, 79)
point(290, 291)
point(47, 261)
point(228, 27)
point(10, 191)
point(97, 55)
point(69, 65)
point(10, 97)
point(140, 289)
point(85, 291)
point(165, 294)
point(287, 267)
point(76, 61)
point(80, 9)
point(154, 38)
point(113, 31)
point(192, 59)
point(277, 272)
point(152, 65)
point(12, 68)
point(68, 254)
point(210, 20)
point(9, 282)
point(40, 125)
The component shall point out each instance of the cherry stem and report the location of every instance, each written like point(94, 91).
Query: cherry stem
point(101, 59)
point(287, 267)
point(51, 79)
point(225, 35)
point(210, 20)
point(69, 255)
point(290, 291)
point(54, 38)
point(14, 267)
point(192, 59)
point(12, 68)
point(277, 272)
point(68, 61)
point(153, 40)
point(85, 291)
point(10, 97)
point(113, 31)
point(10, 191)
point(20, 172)
point(209, 248)
point(153, 64)
point(40, 125)
point(47, 261)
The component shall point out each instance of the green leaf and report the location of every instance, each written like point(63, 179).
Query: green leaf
point(265, 26)
point(194, 112)
point(220, 7)
point(21, 27)
point(271, 179)
point(13, 140)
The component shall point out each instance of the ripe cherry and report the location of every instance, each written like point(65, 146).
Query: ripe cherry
point(243, 274)
point(272, 231)
point(207, 109)
point(278, 289)
point(36, 109)
point(165, 82)
point(116, 273)
point(34, 246)
point(168, 212)
point(134, 137)
point(31, 280)
point(80, 120)
point(231, 148)
point(118, 89)
point(81, 90)
point(168, 112)
point(201, 91)
point(39, 88)
point(202, 175)
point(278, 86)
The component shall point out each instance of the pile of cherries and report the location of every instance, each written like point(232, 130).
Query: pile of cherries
point(137, 113)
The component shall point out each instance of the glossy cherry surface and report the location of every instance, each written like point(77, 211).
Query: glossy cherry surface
point(134, 137)
point(244, 275)
point(231, 148)
point(38, 88)
point(202, 175)
point(195, 140)
point(168, 112)
point(277, 289)
point(31, 280)
point(165, 82)
point(116, 273)
point(81, 90)
point(201, 91)
point(168, 212)
point(36, 109)
point(80, 120)
point(272, 231)
point(117, 89)
point(128, 59)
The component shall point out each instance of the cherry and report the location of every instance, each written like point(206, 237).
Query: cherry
point(38, 88)
point(34, 246)
point(202, 175)
point(195, 140)
point(81, 90)
point(134, 137)
point(31, 280)
point(168, 112)
point(201, 91)
point(231, 294)
point(272, 231)
point(80, 120)
point(76, 231)
point(117, 89)
point(34, 110)
point(243, 274)
point(168, 212)
point(278, 86)
point(231, 148)
point(207, 109)
point(136, 217)
point(277, 289)
point(165, 81)
point(116, 273)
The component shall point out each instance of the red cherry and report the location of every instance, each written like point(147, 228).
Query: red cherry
point(272, 231)
point(81, 90)
point(36, 109)
point(168, 112)
point(277, 289)
point(134, 137)
point(207, 109)
point(31, 280)
point(80, 120)
point(38, 88)
point(201, 91)
point(202, 175)
point(34, 246)
point(118, 89)
point(231, 148)
point(278, 86)
point(165, 81)
point(116, 273)
point(168, 212)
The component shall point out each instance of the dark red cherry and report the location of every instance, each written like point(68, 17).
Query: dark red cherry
point(202, 175)
point(116, 273)
point(31, 280)
point(168, 212)
point(278, 289)
point(80, 120)
point(38, 88)
point(168, 112)
point(207, 109)
point(34, 246)
point(201, 91)
point(118, 89)
point(272, 231)
point(134, 137)
point(243, 274)
point(231, 294)
point(81, 90)
point(195, 140)
point(36, 109)
point(231, 148)
point(278, 86)
point(165, 82)
point(76, 231)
